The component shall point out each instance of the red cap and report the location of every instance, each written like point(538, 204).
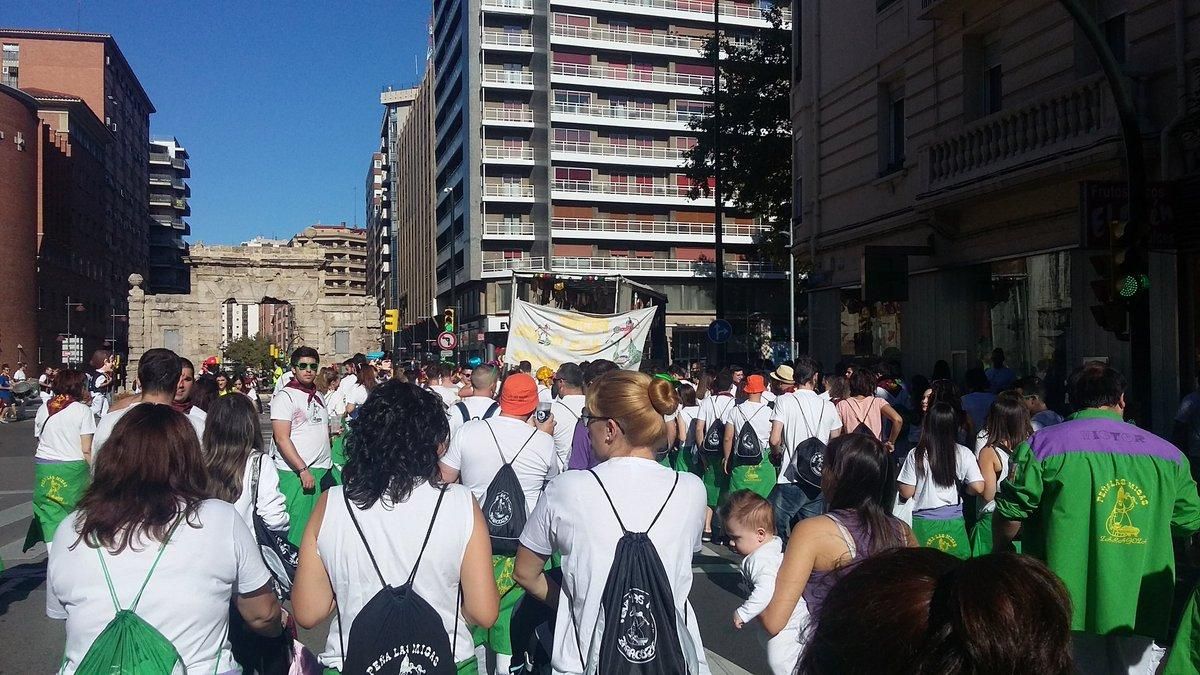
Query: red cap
point(519, 395)
point(755, 385)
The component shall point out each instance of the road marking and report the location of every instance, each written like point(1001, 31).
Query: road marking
point(719, 665)
point(13, 555)
point(17, 513)
point(4, 493)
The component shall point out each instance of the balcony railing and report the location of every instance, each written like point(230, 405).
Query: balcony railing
point(507, 229)
point(632, 37)
point(500, 76)
point(617, 150)
point(635, 189)
point(160, 158)
point(507, 190)
point(165, 200)
point(505, 264)
point(1071, 119)
point(623, 112)
point(636, 228)
point(501, 114)
point(632, 75)
point(701, 7)
point(508, 4)
point(508, 153)
point(503, 38)
point(661, 265)
point(159, 179)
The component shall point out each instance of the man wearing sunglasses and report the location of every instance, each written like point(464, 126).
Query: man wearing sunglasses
point(300, 425)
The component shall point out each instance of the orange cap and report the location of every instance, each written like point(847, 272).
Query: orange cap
point(519, 395)
point(755, 385)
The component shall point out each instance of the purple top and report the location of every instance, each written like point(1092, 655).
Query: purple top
point(581, 449)
point(819, 583)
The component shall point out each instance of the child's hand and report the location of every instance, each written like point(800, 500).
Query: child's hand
point(737, 621)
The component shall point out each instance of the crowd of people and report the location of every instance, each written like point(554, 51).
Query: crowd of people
point(510, 519)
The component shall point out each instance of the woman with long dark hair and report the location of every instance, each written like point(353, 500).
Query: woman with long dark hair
point(204, 392)
point(934, 475)
point(147, 522)
point(233, 446)
point(1008, 426)
point(373, 526)
point(859, 485)
point(63, 427)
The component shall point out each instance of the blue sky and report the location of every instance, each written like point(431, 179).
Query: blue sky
point(277, 102)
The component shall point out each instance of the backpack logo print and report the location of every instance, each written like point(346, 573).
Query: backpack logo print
point(713, 438)
point(501, 510)
point(638, 641)
point(817, 463)
point(411, 659)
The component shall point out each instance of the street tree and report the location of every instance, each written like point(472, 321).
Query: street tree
point(251, 352)
point(755, 130)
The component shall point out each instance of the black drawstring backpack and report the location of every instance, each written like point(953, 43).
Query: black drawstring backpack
point(397, 632)
point(808, 458)
point(747, 448)
point(862, 427)
point(714, 434)
point(279, 554)
point(639, 633)
point(504, 503)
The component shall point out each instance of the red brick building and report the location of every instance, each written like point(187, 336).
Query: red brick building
point(20, 159)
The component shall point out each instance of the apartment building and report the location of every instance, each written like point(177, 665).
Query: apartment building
point(21, 134)
point(169, 192)
point(345, 251)
point(90, 68)
point(560, 132)
point(379, 245)
point(983, 138)
point(414, 204)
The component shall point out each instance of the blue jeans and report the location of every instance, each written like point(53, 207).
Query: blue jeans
point(792, 501)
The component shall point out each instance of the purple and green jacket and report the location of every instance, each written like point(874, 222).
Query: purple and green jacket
point(1101, 501)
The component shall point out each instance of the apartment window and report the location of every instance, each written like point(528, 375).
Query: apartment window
point(891, 130)
point(9, 63)
point(512, 219)
point(573, 98)
point(341, 341)
point(983, 76)
point(993, 91)
point(573, 135)
point(1114, 35)
point(691, 107)
point(569, 173)
point(561, 19)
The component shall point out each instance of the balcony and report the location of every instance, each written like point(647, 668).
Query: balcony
point(650, 230)
point(938, 9)
point(161, 199)
point(1070, 121)
point(160, 158)
point(511, 117)
point(159, 179)
point(508, 192)
point(695, 10)
point(507, 40)
point(663, 43)
point(620, 116)
point(629, 78)
point(508, 154)
point(502, 266)
point(508, 229)
point(666, 267)
point(507, 79)
point(508, 6)
point(611, 153)
point(646, 193)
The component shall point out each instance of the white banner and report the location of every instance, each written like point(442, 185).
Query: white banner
point(545, 336)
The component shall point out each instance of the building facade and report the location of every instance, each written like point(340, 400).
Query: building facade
point(345, 252)
point(379, 245)
point(169, 192)
point(415, 198)
point(969, 134)
point(90, 68)
point(21, 150)
point(560, 127)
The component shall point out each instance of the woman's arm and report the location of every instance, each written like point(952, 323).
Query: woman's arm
point(85, 444)
point(975, 487)
point(797, 567)
point(727, 447)
point(261, 611)
point(312, 592)
point(987, 467)
point(530, 573)
point(906, 491)
point(897, 423)
point(481, 600)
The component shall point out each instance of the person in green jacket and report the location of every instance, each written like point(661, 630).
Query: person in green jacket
point(1100, 501)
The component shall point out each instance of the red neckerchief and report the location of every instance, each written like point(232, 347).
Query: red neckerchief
point(311, 390)
point(184, 407)
point(59, 403)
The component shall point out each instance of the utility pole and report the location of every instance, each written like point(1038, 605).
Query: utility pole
point(718, 200)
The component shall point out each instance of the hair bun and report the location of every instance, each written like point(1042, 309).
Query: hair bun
point(662, 396)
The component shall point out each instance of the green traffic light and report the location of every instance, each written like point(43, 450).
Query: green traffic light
point(1131, 284)
point(449, 328)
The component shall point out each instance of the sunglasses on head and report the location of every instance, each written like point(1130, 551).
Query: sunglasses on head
point(307, 366)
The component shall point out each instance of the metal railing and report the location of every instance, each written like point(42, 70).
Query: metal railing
point(632, 189)
point(645, 227)
point(505, 264)
point(508, 152)
point(501, 76)
point(728, 8)
point(166, 200)
point(622, 112)
point(631, 75)
point(160, 158)
point(502, 114)
point(503, 38)
point(633, 37)
point(501, 228)
point(507, 190)
point(159, 179)
point(629, 151)
point(507, 4)
point(662, 265)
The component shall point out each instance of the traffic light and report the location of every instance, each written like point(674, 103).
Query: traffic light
point(448, 323)
point(391, 320)
point(1123, 279)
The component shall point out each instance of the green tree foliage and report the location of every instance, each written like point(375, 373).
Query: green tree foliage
point(756, 130)
point(251, 352)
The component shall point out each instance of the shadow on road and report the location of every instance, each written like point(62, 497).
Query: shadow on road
point(16, 583)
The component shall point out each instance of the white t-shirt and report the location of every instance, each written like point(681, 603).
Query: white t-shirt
point(574, 519)
point(19, 376)
point(44, 381)
point(310, 427)
point(105, 426)
point(473, 453)
point(566, 411)
point(58, 434)
point(759, 570)
point(803, 414)
point(759, 416)
point(930, 495)
point(394, 533)
point(477, 406)
point(198, 418)
point(356, 395)
point(545, 393)
point(714, 408)
point(283, 380)
point(270, 500)
point(688, 415)
point(449, 395)
point(187, 598)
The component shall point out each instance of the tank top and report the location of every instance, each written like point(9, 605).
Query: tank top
point(865, 411)
point(395, 532)
point(854, 534)
point(1004, 468)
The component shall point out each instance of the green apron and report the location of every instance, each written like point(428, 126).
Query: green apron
point(298, 501)
point(683, 462)
point(497, 638)
point(949, 535)
point(1184, 657)
point(758, 478)
point(716, 483)
point(337, 451)
point(57, 487)
point(981, 536)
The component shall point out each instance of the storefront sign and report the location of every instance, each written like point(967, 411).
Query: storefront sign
point(546, 336)
point(1105, 201)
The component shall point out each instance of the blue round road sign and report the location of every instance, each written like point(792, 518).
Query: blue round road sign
point(720, 331)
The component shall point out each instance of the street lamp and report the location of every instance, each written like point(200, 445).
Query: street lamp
point(77, 306)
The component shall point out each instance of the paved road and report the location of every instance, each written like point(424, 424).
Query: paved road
point(34, 643)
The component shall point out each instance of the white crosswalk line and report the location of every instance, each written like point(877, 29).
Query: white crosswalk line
point(17, 513)
point(13, 555)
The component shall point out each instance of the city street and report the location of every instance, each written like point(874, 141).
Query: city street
point(715, 592)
